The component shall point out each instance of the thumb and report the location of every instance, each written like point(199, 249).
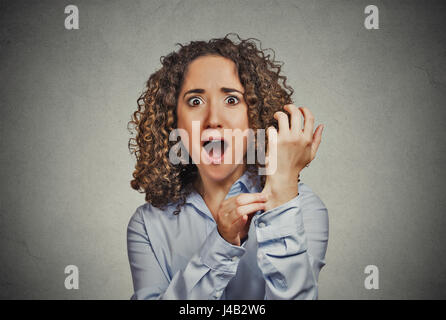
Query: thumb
point(317, 138)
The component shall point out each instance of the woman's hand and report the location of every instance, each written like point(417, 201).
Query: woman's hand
point(234, 215)
point(292, 148)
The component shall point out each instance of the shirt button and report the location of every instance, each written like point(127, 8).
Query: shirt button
point(261, 224)
point(218, 294)
point(259, 255)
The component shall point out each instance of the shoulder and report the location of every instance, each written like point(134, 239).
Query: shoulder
point(147, 216)
point(136, 225)
point(309, 198)
point(314, 210)
point(146, 212)
point(138, 215)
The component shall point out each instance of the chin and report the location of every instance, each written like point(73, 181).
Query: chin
point(218, 172)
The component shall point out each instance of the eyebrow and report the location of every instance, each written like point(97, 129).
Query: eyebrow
point(225, 90)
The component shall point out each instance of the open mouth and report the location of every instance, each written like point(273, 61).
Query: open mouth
point(215, 148)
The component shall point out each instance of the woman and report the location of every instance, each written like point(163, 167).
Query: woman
point(214, 229)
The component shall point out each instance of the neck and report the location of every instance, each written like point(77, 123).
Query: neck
point(214, 192)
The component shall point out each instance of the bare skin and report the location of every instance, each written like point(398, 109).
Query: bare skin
point(217, 109)
point(296, 148)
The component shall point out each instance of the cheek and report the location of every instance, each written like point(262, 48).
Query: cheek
point(183, 121)
point(185, 133)
point(240, 145)
point(244, 118)
point(241, 121)
point(183, 129)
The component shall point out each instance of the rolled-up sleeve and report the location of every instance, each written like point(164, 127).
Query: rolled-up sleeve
point(292, 242)
point(205, 276)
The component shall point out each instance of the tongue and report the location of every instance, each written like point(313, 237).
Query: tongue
point(216, 151)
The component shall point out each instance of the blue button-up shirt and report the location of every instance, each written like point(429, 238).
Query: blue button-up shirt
point(184, 257)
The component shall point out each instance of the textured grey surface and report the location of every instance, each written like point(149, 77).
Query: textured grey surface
point(66, 97)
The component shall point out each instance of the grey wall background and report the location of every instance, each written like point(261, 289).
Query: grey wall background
point(66, 98)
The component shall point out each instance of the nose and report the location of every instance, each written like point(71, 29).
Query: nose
point(214, 117)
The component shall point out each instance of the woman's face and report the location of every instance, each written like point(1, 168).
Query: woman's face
point(212, 97)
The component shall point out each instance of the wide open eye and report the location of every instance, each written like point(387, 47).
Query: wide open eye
point(231, 100)
point(194, 101)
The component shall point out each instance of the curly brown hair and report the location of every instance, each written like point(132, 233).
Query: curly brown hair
point(163, 182)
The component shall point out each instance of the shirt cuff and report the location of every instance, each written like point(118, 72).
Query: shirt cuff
point(218, 254)
point(280, 222)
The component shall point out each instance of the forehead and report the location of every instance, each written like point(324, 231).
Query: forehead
point(210, 71)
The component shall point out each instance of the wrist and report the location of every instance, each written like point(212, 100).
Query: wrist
point(280, 193)
point(232, 240)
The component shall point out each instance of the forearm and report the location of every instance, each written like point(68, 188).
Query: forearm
point(205, 276)
point(282, 253)
point(208, 272)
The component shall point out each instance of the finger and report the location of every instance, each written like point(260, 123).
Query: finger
point(317, 138)
point(240, 222)
point(282, 119)
point(232, 204)
point(270, 131)
point(250, 208)
point(237, 222)
point(308, 122)
point(247, 198)
point(295, 118)
point(272, 136)
point(271, 152)
point(250, 216)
